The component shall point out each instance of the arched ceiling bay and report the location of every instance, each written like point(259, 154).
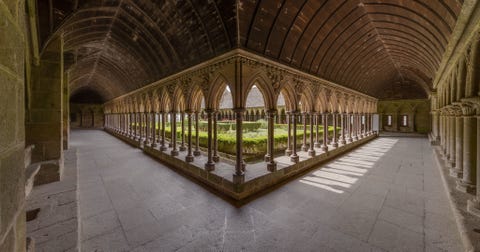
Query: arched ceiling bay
point(367, 45)
point(116, 46)
point(379, 47)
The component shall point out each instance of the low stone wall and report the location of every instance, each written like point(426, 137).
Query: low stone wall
point(250, 187)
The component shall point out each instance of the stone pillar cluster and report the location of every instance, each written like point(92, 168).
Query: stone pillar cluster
point(346, 125)
point(455, 127)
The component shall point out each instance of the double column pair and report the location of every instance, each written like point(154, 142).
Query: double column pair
point(212, 146)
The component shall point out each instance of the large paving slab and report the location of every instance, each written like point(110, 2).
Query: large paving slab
point(387, 195)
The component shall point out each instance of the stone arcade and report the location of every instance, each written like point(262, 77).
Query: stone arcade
point(239, 125)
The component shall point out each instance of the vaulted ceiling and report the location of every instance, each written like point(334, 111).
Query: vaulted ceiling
point(385, 48)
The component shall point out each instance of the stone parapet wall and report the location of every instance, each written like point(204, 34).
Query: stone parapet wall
point(250, 187)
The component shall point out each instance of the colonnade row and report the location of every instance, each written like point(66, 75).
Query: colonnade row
point(457, 129)
point(141, 127)
point(456, 120)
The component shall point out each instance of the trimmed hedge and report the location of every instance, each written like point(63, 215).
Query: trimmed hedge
point(251, 145)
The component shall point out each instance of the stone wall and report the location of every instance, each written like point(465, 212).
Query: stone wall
point(86, 115)
point(416, 110)
point(12, 130)
point(44, 124)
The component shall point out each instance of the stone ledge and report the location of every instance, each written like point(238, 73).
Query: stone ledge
point(466, 222)
point(56, 227)
point(250, 187)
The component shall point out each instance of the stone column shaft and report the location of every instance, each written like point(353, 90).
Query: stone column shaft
point(174, 151)
point(325, 132)
point(269, 157)
point(210, 165)
point(288, 151)
point(294, 157)
point(311, 150)
point(189, 157)
point(304, 140)
point(215, 156)
point(239, 175)
point(197, 138)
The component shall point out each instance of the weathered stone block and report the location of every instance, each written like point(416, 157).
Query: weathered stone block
point(49, 172)
point(12, 186)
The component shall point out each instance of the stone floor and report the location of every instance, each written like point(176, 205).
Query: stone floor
point(384, 196)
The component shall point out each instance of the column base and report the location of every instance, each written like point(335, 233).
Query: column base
point(209, 166)
point(182, 148)
point(174, 153)
point(294, 158)
point(350, 140)
point(266, 158)
point(238, 178)
point(311, 153)
point(288, 152)
point(466, 187)
point(355, 138)
point(216, 158)
point(335, 145)
point(272, 166)
point(324, 148)
point(154, 145)
point(196, 153)
point(343, 141)
point(189, 158)
point(304, 148)
point(473, 207)
point(146, 142)
point(316, 145)
point(163, 148)
point(170, 145)
point(456, 173)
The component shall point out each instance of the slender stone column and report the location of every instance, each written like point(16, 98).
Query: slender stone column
point(451, 142)
point(294, 157)
point(349, 127)
point(473, 206)
point(317, 120)
point(435, 126)
point(288, 116)
point(458, 170)
point(269, 157)
point(363, 125)
point(215, 157)
point(304, 141)
point(354, 127)
point(368, 126)
point(135, 124)
point(141, 119)
point(335, 137)
point(158, 115)
point(197, 138)
point(174, 151)
point(311, 151)
point(129, 125)
point(189, 157)
point(342, 122)
point(239, 175)
point(154, 130)
point(146, 141)
point(441, 130)
point(325, 132)
point(210, 165)
point(468, 182)
point(163, 147)
point(182, 145)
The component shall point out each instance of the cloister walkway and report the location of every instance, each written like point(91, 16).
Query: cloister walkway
point(371, 199)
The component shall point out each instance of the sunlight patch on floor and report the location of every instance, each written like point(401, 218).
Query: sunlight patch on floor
point(347, 170)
